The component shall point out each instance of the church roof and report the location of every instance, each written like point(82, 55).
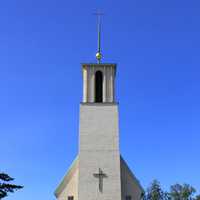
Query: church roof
point(123, 162)
point(67, 177)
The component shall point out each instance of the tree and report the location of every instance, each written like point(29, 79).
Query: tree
point(177, 192)
point(6, 187)
point(155, 192)
point(197, 197)
point(182, 192)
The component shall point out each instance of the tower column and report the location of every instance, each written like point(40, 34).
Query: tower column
point(111, 86)
point(92, 85)
point(104, 85)
point(85, 85)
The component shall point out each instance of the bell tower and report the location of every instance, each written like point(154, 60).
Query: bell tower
point(99, 172)
point(99, 156)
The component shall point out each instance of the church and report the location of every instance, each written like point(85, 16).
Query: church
point(99, 172)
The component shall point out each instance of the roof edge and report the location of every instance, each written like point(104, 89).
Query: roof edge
point(66, 177)
point(131, 173)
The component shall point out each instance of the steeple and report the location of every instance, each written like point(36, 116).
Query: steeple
point(99, 78)
point(98, 54)
point(99, 172)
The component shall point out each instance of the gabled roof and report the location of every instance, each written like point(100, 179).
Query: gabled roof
point(67, 177)
point(122, 161)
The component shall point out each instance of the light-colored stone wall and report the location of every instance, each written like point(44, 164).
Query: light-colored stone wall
point(71, 189)
point(130, 186)
point(99, 148)
point(69, 184)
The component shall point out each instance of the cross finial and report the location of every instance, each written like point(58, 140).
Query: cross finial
point(98, 54)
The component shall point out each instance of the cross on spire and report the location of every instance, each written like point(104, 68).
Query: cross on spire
point(98, 54)
point(100, 176)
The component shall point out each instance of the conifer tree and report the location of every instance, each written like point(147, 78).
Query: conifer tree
point(5, 186)
point(155, 192)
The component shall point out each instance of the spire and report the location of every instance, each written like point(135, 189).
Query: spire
point(98, 54)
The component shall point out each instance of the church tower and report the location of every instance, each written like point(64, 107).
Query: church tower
point(99, 172)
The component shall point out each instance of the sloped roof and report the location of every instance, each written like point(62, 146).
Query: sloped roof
point(130, 173)
point(67, 177)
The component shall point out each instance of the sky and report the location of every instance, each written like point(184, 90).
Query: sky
point(156, 46)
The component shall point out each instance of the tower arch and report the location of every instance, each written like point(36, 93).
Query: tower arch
point(98, 86)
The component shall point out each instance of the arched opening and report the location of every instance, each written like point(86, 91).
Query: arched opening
point(98, 86)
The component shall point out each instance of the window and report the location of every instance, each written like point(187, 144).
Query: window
point(98, 87)
point(70, 197)
point(128, 197)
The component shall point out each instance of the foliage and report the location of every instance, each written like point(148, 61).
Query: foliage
point(182, 192)
point(155, 192)
point(197, 197)
point(6, 187)
point(177, 192)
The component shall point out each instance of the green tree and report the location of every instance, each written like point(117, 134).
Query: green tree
point(5, 186)
point(197, 197)
point(182, 192)
point(155, 192)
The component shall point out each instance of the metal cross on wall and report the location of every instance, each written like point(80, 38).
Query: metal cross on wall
point(100, 176)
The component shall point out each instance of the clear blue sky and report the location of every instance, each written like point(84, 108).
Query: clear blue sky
point(156, 45)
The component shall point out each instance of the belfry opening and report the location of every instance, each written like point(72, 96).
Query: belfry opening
point(98, 87)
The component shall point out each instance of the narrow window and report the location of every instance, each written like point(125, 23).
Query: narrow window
point(128, 197)
point(70, 197)
point(98, 87)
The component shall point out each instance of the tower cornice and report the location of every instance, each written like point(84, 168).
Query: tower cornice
point(99, 64)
